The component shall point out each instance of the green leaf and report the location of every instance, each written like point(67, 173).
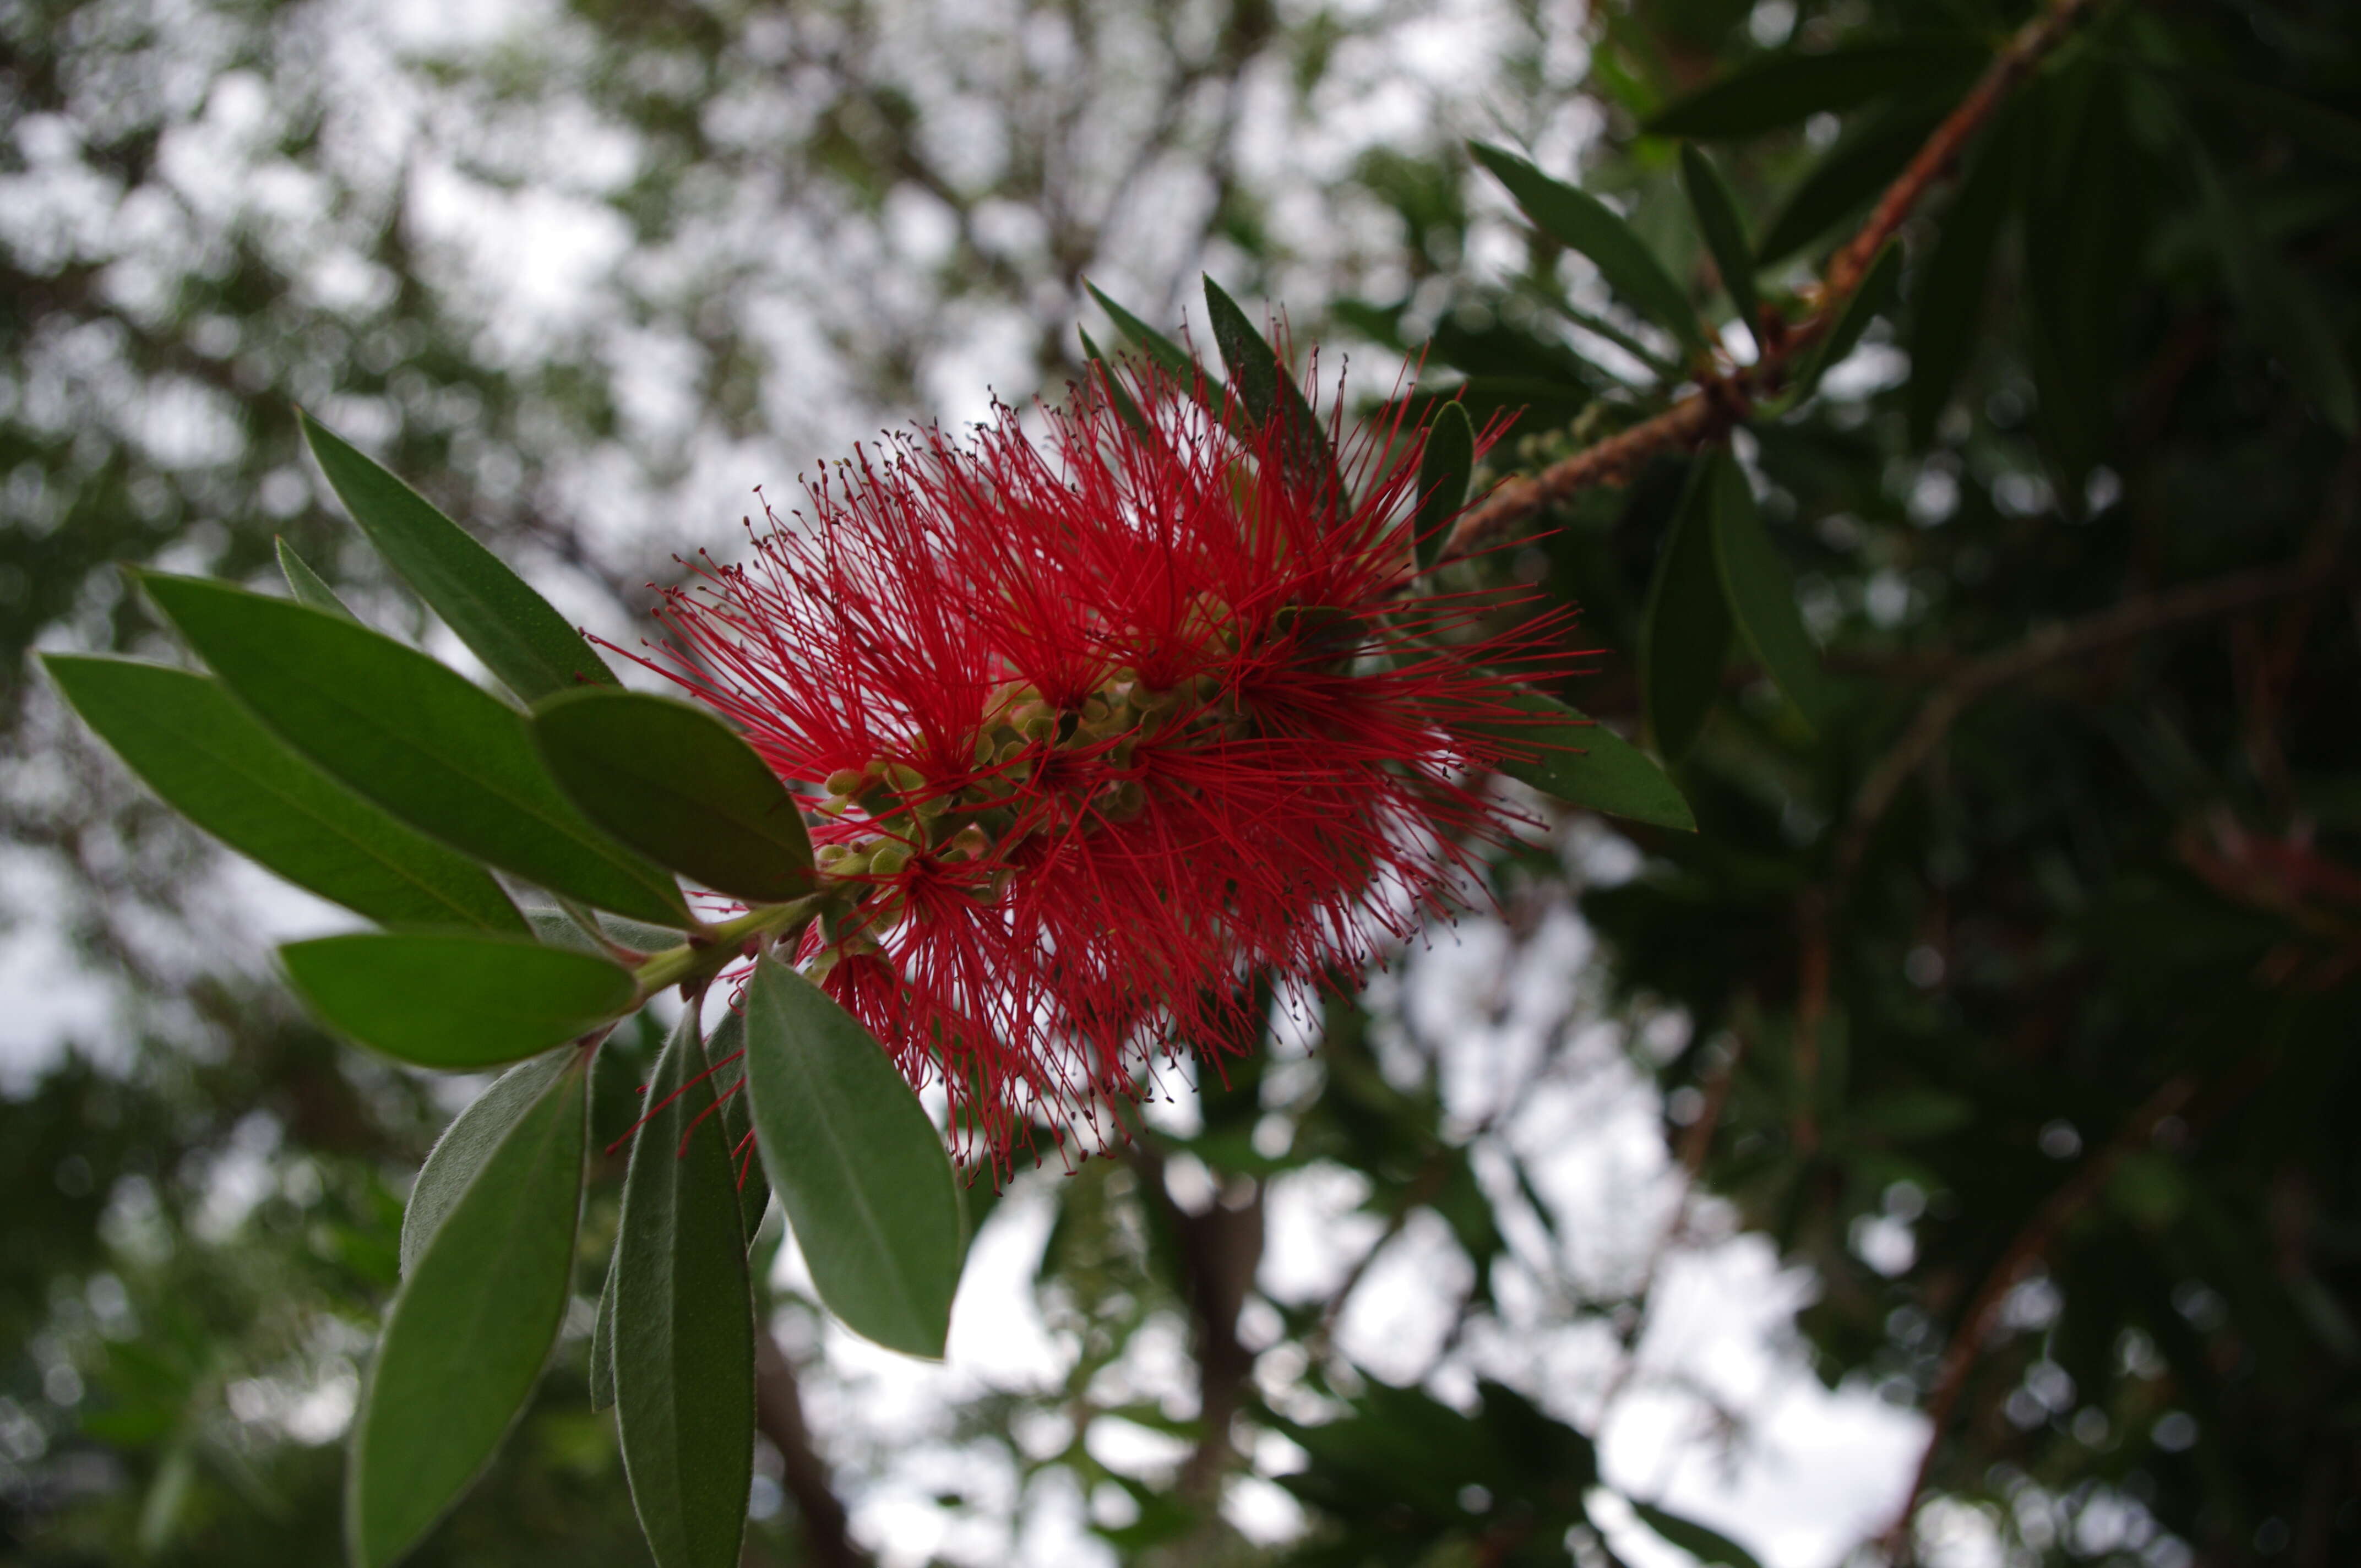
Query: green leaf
point(1583, 762)
point(727, 1051)
point(517, 634)
point(684, 1341)
point(470, 1141)
point(455, 1002)
point(1443, 470)
point(1530, 399)
point(2313, 125)
point(1946, 304)
point(1684, 629)
point(1863, 161)
point(1117, 394)
point(1710, 1547)
point(465, 1339)
point(2279, 306)
point(1725, 235)
point(418, 739)
point(1789, 89)
point(1270, 394)
point(306, 584)
point(209, 760)
point(1762, 593)
point(855, 1162)
point(1145, 338)
point(1873, 298)
point(1583, 223)
point(677, 785)
point(602, 1344)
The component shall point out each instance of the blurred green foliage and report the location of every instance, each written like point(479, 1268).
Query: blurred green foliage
point(2067, 1028)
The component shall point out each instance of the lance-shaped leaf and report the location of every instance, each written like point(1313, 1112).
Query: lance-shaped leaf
point(1946, 305)
point(855, 1162)
point(679, 785)
point(1562, 753)
point(467, 1335)
point(1684, 629)
point(1872, 299)
point(1725, 235)
point(1126, 407)
point(727, 1051)
point(683, 1345)
point(210, 759)
point(1789, 89)
point(1443, 470)
point(467, 1143)
point(418, 739)
point(517, 634)
point(1270, 394)
point(456, 1003)
point(1710, 1547)
point(1168, 353)
point(1857, 167)
point(306, 584)
point(602, 1344)
point(1762, 593)
point(1582, 222)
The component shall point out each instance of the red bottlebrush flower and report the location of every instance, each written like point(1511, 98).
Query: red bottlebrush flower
point(1107, 721)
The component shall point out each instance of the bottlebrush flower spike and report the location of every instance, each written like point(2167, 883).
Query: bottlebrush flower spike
point(1105, 721)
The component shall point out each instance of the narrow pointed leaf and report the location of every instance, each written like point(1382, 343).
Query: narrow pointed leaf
point(1946, 304)
point(210, 761)
point(684, 1341)
point(455, 1002)
point(1685, 629)
point(1581, 762)
point(1147, 339)
point(1583, 223)
point(1443, 470)
point(677, 785)
point(1849, 175)
point(1762, 593)
point(1872, 299)
point(467, 1335)
point(1725, 235)
point(727, 1051)
point(1789, 89)
point(1269, 393)
point(2281, 306)
point(1126, 409)
point(306, 584)
point(437, 752)
point(515, 632)
point(1710, 1547)
point(602, 1344)
point(470, 1139)
point(855, 1162)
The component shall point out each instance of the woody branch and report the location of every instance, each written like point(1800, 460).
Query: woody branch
point(1722, 400)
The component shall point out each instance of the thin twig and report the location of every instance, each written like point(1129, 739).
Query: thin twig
point(1723, 400)
point(2031, 1245)
point(779, 1414)
point(2132, 618)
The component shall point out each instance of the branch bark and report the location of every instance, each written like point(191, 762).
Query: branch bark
point(1723, 399)
point(779, 1415)
point(2031, 1245)
point(2134, 617)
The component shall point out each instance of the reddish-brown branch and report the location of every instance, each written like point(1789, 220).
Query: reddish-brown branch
point(2134, 617)
point(2031, 1247)
point(1723, 400)
point(779, 1414)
